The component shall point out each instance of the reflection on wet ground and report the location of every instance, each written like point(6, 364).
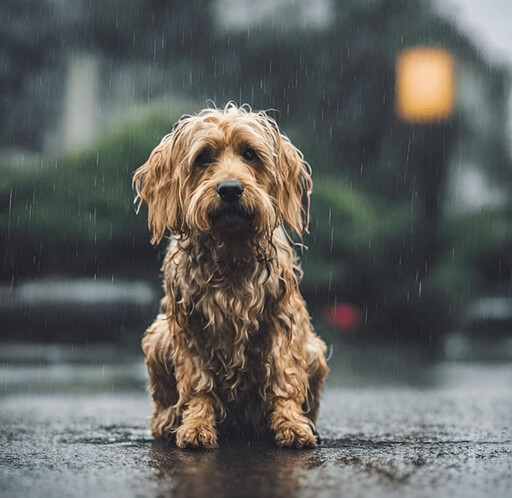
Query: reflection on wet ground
point(71, 428)
point(233, 470)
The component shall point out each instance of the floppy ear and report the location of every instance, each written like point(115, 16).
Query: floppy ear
point(293, 200)
point(156, 185)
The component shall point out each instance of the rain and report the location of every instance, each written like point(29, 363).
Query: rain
point(403, 110)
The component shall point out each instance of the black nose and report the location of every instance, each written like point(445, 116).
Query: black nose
point(230, 191)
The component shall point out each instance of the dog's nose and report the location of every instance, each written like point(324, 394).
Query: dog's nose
point(230, 191)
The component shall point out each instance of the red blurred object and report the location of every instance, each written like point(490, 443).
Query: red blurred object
point(346, 317)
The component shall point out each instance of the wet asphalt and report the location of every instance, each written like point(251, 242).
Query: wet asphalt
point(392, 424)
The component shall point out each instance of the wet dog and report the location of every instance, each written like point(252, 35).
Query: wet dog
point(233, 351)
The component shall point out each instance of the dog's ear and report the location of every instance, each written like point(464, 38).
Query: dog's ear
point(293, 200)
point(156, 184)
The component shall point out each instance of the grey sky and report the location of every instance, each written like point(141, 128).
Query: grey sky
point(486, 21)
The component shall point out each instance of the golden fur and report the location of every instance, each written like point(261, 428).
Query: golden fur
point(233, 352)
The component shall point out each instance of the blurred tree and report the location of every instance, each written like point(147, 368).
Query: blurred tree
point(157, 30)
point(75, 216)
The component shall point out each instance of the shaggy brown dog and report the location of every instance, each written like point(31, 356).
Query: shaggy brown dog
point(233, 352)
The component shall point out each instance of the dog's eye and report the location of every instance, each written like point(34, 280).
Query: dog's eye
point(204, 158)
point(249, 154)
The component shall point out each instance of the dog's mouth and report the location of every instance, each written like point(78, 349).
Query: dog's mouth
point(231, 217)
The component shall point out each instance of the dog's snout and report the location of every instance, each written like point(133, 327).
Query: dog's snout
point(230, 191)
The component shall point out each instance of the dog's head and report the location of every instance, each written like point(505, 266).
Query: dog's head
point(228, 171)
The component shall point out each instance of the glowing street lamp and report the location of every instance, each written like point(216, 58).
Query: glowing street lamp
point(425, 85)
point(424, 102)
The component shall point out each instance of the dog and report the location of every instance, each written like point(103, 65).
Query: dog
point(233, 352)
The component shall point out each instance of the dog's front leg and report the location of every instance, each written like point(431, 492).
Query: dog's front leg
point(162, 382)
point(288, 390)
point(197, 429)
point(198, 405)
point(182, 408)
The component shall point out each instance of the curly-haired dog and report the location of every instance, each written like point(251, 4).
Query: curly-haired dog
point(233, 351)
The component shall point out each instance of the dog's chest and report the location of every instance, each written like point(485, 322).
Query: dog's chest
point(229, 317)
point(242, 390)
point(232, 338)
point(230, 305)
point(231, 346)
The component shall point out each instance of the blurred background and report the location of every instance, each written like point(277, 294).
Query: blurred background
point(402, 108)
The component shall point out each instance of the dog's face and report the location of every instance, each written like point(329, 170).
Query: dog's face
point(226, 171)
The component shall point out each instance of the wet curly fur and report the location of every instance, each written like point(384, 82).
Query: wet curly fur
point(233, 351)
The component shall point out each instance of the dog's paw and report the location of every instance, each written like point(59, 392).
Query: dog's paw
point(163, 423)
point(196, 436)
point(295, 435)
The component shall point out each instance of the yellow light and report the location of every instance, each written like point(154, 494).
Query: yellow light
point(425, 85)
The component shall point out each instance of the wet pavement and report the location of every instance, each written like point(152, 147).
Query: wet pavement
point(392, 424)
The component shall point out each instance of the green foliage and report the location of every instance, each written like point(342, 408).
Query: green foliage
point(76, 214)
point(86, 195)
point(351, 231)
point(470, 242)
point(475, 234)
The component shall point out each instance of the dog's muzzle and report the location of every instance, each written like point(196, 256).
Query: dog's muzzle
point(230, 212)
point(230, 191)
